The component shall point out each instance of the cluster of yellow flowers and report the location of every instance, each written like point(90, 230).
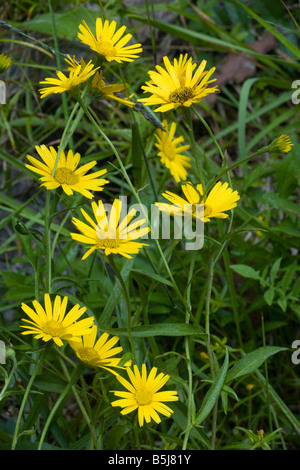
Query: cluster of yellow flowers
point(177, 84)
point(50, 322)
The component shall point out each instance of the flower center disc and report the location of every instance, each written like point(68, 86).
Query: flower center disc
point(108, 243)
point(182, 95)
point(143, 397)
point(54, 328)
point(64, 175)
point(88, 354)
point(105, 48)
point(169, 151)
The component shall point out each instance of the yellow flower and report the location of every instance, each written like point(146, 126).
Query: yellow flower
point(249, 387)
point(260, 434)
point(108, 91)
point(203, 355)
point(66, 175)
point(52, 322)
point(220, 199)
point(143, 394)
point(176, 85)
point(109, 233)
point(108, 42)
point(281, 144)
point(180, 66)
point(97, 353)
point(5, 62)
point(170, 152)
point(78, 74)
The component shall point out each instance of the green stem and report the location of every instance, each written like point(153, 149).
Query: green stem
point(26, 393)
point(210, 133)
point(208, 346)
point(47, 243)
point(8, 379)
point(231, 285)
point(68, 132)
point(189, 125)
point(235, 165)
point(127, 300)
point(233, 295)
point(267, 378)
point(214, 426)
point(73, 379)
point(207, 317)
point(49, 211)
point(187, 343)
point(82, 408)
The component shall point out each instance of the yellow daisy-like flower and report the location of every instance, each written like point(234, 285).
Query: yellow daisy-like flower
point(281, 144)
point(78, 74)
point(108, 42)
point(5, 62)
point(108, 91)
point(143, 394)
point(220, 199)
point(170, 152)
point(97, 353)
point(66, 174)
point(176, 85)
point(108, 233)
point(52, 322)
point(180, 65)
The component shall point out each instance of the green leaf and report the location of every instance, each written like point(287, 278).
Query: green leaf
point(245, 271)
point(66, 22)
point(269, 296)
point(288, 276)
point(274, 270)
point(276, 202)
point(153, 276)
point(282, 302)
point(252, 361)
point(288, 173)
point(213, 393)
point(162, 329)
point(49, 383)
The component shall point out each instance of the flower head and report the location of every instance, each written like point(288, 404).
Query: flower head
point(5, 62)
point(66, 174)
point(249, 387)
point(143, 394)
point(281, 144)
point(175, 85)
point(78, 74)
point(52, 322)
point(108, 42)
point(219, 200)
point(97, 353)
point(109, 233)
point(108, 91)
point(170, 152)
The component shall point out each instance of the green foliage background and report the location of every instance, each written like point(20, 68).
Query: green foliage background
point(255, 294)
